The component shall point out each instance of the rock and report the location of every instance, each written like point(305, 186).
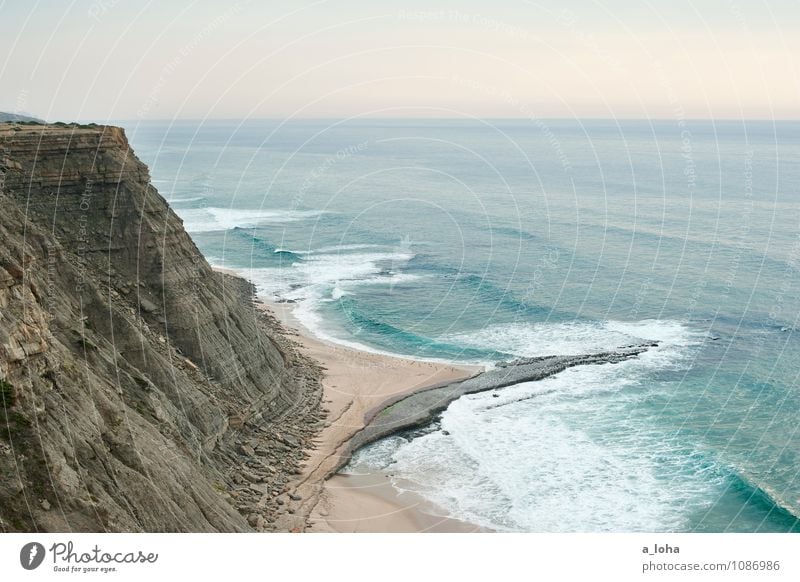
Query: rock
point(291, 441)
point(109, 231)
point(45, 505)
point(294, 497)
point(252, 477)
point(423, 407)
point(252, 519)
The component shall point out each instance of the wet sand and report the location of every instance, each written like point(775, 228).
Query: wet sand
point(370, 504)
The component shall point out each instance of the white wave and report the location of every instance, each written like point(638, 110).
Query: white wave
point(338, 293)
point(536, 473)
point(325, 277)
point(558, 455)
point(541, 339)
point(320, 279)
point(180, 200)
point(212, 219)
point(555, 456)
point(331, 249)
point(377, 456)
point(349, 247)
point(315, 276)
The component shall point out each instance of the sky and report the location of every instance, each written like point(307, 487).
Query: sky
point(103, 60)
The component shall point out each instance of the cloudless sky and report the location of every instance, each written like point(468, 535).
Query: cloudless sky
point(124, 59)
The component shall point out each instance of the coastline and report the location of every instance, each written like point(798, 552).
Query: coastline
point(366, 396)
point(356, 385)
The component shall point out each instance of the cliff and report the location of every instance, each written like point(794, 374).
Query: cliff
point(141, 390)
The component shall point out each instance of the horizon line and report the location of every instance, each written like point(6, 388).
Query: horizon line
point(526, 119)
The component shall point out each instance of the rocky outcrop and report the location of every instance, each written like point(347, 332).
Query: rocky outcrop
point(141, 390)
point(424, 407)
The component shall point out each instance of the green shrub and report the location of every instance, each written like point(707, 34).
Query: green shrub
point(7, 396)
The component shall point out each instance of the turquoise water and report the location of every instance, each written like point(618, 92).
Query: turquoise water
point(475, 241)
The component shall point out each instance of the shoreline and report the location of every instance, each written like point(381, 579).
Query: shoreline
point(369, 503)
point(357, 385)
point(367, 396)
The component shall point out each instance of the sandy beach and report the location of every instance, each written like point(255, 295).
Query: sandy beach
point(357, 385)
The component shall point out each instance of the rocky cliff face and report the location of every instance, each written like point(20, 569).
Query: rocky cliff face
point(141, 391)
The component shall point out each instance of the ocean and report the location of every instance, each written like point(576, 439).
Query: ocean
point(479, 241)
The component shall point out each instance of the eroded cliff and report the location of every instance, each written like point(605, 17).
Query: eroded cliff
point(141, 390)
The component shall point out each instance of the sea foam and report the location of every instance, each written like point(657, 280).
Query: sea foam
point(530, 458)
point(211, 219)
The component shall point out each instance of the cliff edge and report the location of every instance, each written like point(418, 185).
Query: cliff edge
point(140, 390)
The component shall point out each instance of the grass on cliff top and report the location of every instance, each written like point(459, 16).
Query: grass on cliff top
point(56, 124)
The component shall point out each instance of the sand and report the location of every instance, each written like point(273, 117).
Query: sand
point(370, 504)
point(356, 385)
